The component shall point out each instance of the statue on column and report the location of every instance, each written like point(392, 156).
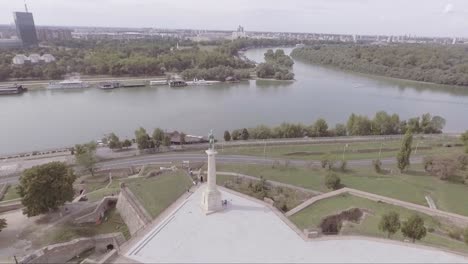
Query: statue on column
point(211, 139)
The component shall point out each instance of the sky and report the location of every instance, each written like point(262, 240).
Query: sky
point(390, 17)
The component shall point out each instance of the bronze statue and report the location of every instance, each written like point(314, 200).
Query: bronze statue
point(211, 139)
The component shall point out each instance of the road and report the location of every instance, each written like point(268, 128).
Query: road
point(167, 159)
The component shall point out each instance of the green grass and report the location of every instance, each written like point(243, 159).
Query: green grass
point(354, 151)
point(11, 193)
point(65, 232)
point(311, 216)
point(411, 187)
point(158, 193)
point(285, 198)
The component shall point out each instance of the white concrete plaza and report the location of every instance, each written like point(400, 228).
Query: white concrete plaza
point(248, 231)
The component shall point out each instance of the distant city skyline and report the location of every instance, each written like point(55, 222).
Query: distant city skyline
point(440, 18)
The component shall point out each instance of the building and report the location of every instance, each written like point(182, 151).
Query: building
point(25, 28)
point(48, 34)
point(10, 43)
point(47, 58)
point(21, 59)
point(240, 33)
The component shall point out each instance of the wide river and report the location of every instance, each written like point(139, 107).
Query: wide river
point(43, 119)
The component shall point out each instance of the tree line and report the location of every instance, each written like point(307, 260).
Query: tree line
point(358, 125)
point(428, 63)
point(277, 65)
point(122, 58)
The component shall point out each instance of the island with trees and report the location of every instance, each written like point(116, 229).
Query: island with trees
point(277, 66)
point(438, 64)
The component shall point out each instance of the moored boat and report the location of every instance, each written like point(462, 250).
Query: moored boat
point(68, 84)
point(15, 89)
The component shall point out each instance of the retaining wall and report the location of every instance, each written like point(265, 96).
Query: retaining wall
point(63, 252)
point(3, 189)
point(98, 212)
point(132, 212)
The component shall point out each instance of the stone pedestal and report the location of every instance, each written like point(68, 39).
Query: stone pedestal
point(211, 197)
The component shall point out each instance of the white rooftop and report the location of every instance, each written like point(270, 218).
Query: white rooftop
point(248, 231)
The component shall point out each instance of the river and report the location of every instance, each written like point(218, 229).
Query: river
point(43, 119)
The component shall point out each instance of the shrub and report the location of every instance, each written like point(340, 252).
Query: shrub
point(443, 168)
point(327, 161)
point(332, 181)
point(465, 235)
point(343, 165)
point(455, 233)
point(331, 225)
point(377, 165)
point(414, 228)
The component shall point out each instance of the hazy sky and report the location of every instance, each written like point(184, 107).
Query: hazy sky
point(416, 17)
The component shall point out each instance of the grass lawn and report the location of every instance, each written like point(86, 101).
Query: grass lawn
point(285, 198)
point(311, 216)
point(411, 187)
point(158, 193)
point(62, 233)
point(11, 193)
point(354, 151)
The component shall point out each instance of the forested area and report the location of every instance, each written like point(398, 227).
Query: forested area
point(428, 63)
point(357, 125)
point(120, 58)
point(277, 65)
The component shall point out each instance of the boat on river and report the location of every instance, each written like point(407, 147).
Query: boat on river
point(201, 82)
point(15, 89)
point(68, 84)
point(108, 85)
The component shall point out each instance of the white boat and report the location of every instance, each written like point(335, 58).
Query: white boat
point(201, 82)
point(161, 82)
point(68, 84)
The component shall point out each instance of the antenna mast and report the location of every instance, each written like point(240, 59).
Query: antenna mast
point(25, 6)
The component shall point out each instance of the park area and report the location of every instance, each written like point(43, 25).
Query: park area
point(351, 150)
point(412, 186)
point(441, 233)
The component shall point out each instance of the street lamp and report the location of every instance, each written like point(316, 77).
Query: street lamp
point(344, 149)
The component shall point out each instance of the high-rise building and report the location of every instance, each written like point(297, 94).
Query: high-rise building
point(25, 28)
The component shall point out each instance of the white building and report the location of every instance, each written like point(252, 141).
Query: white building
point(47, 58)
point(20, 59)
point(34, 58)
point(240, 33)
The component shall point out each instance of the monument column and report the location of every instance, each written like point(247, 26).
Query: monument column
point(211, 197)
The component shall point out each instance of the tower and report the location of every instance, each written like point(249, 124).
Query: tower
point(25, 28)
point(211, 197)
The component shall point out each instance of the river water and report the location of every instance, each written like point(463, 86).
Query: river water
point(43, 119)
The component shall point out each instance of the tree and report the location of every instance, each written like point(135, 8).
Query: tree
point(332, 181)
point(403, 156)
point(127, 143)
point(340, 130)
point(114, 141)
point(236, 134)
point(464, 139)
point(377, 165)
point(320, 128)
point(46, 187)
point(167, 141)
point(85, 156)
point(441, 167)
point(3, 224)
point(245, 134)
point(414, 228)
point(227, 136)
point(158, 135)
point(142, 139)
point(390, 223)
point(182, 138)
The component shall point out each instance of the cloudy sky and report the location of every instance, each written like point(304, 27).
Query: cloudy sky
point(394, 17)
